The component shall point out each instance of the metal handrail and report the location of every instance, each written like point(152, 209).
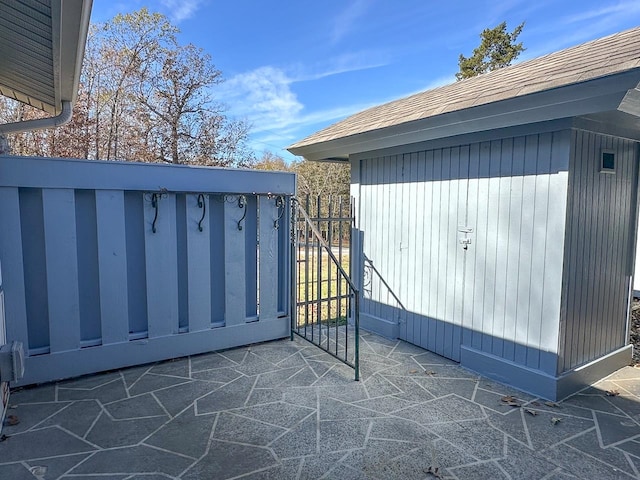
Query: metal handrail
point(354, 291)
point(324, 244)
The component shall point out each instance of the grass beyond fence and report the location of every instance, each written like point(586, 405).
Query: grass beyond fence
point(323, 293)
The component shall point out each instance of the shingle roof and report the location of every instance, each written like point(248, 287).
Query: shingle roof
point(598, 58)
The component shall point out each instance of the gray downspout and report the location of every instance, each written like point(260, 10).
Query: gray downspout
point(37, 124)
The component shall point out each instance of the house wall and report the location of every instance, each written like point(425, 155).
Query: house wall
point(90, 286)
point(600, 240)
point(501, 295)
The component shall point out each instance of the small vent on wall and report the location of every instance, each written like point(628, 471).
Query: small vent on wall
point(607, 161)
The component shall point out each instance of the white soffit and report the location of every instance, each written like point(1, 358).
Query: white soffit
point(41, 46)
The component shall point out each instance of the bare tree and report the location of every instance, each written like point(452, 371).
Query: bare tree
point(314, 178)
point(144, 97)
point(176, 93)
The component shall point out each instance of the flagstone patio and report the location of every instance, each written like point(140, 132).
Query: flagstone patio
point(287, 410)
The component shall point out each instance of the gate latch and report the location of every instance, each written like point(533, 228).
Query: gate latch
point(464, 236)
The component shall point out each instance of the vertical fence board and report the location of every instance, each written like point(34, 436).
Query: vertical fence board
point(88, 276)
point(12, 266)
point(282, 267)
point(234, 264)
point(161, 266)
point(112, 266)
point(268, 258)
point(183, 262)
point(217, 258)
point(35, 268)
point(250, 228)
point(198, 263)
point(58, 207)
point(136, 263)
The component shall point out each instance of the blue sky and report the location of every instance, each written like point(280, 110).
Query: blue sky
point(293, 67)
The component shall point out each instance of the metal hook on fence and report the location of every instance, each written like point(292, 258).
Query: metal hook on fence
point(280, 207)
point(154, 203)
point(154, 198)
point(242, 203)
point(203, 205)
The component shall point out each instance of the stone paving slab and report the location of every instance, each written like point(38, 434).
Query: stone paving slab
point(286, 410)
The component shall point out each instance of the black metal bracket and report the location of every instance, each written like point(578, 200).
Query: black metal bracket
point(280, 207)
point(155, 204)
point(242, 203)
point(202, 203)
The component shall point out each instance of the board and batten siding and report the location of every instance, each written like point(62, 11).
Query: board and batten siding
point(499, 295)
point(90, 285)
point(600, 239)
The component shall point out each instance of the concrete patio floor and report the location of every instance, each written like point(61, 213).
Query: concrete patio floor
point(286, 410)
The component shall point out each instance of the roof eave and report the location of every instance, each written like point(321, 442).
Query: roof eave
point(69, 27)
point(603, 94)
point(71, 24)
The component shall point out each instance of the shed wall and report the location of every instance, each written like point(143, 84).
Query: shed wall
point(599, 248)
point(501, 295)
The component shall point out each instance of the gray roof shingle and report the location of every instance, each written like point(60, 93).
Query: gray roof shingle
point(598, 58)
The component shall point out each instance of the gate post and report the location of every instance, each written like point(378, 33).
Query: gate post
point(293, 256)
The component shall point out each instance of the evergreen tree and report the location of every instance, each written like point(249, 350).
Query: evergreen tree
point(497, 49)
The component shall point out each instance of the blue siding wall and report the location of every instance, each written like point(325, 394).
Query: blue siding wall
point(501, 295)
point(599, 249)
point(89, 286)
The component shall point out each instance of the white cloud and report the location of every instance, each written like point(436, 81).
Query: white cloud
point(344, 63)
point(608, 13)
point(344, 22)
point(278, 118)
point(263, 96)
point(588, 24)
point(181, 9)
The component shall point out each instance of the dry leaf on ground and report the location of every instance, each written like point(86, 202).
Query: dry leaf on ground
point(510, 401)
point(12, 420)
point(435, 472)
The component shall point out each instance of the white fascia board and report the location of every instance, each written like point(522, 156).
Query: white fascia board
point(599, 95)
point(70, 20)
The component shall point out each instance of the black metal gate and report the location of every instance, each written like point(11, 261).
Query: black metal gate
point(325, 300)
